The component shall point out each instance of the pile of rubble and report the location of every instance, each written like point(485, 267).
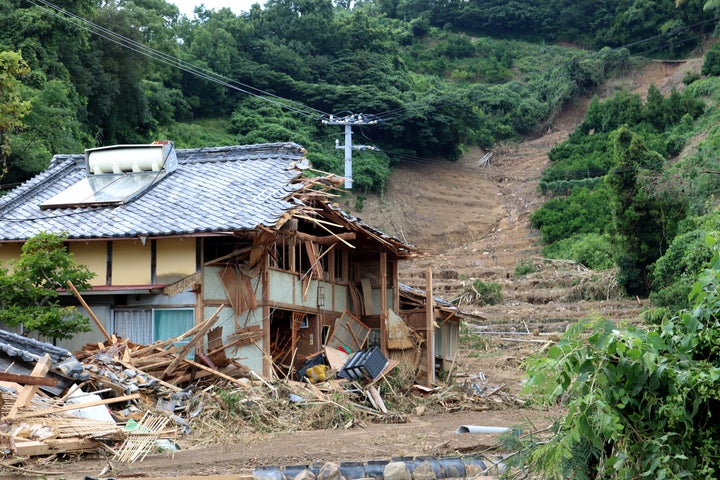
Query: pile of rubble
point(128, 399)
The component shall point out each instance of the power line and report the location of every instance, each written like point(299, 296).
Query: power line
point(174, 62)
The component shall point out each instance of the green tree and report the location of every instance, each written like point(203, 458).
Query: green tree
point(645, 224)
point(12, 106)
point(52, 127)
point(29, 289)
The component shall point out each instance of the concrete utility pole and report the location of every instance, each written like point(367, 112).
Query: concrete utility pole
point(349, 121)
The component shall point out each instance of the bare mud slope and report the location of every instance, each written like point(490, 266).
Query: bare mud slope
point(472, 222)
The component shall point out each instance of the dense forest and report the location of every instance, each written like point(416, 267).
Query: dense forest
point(430, 78)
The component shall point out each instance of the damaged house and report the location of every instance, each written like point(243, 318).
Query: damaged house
point(248, 234)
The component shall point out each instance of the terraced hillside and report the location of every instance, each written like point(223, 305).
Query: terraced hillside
point(471, 221)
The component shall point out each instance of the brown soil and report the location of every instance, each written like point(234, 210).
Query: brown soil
point(472, 223)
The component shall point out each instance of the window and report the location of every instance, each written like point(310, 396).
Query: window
point(145, 326)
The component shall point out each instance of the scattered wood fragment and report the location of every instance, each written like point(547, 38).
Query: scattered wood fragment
point(377, 399)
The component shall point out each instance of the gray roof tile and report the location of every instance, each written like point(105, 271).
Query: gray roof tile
point(213, 189)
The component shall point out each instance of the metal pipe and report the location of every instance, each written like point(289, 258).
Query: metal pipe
point(480, 429)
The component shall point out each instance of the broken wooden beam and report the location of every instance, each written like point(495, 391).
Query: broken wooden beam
point(199, 336)
point(89, 310)
point(57, 445)
point(27, 379)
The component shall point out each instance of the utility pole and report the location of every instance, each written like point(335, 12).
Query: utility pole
point(349, 121)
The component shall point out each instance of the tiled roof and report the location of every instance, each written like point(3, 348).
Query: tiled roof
point(19, 354)
point(30, 350)
point(213, 189)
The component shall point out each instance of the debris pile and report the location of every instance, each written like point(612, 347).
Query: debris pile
point(129, 399)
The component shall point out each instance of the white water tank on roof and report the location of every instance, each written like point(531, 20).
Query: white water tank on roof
point(131, 158)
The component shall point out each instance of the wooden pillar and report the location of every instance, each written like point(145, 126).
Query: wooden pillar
point(396, 286)
point(429, 328)
point(199, 293)
point(266, 351)
point(383, 303)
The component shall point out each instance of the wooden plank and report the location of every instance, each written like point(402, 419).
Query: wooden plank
point(27, 379)
point(89, 311)
point(77, 406)
point(335, 358)
point(206, 360)
point(247, 294)
point(29, 391)
point(192, 343)
point(327, 240)
point(246, 339)
point(375, 394)
point(319, 223)
point(231, 285)
point(314, 257)
point(356, 300)
point(392, 363)
point(214, 337)
point(58, 445)
point(368, 305)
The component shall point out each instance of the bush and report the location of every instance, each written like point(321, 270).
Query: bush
point(583, 211)
point(690, 77)
point(482, 293)
point(711, 65)
point(524, 267)
point(639, 400)
point(593, 250)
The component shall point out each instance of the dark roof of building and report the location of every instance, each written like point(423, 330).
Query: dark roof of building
point(212, 190)
point(407, 290)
